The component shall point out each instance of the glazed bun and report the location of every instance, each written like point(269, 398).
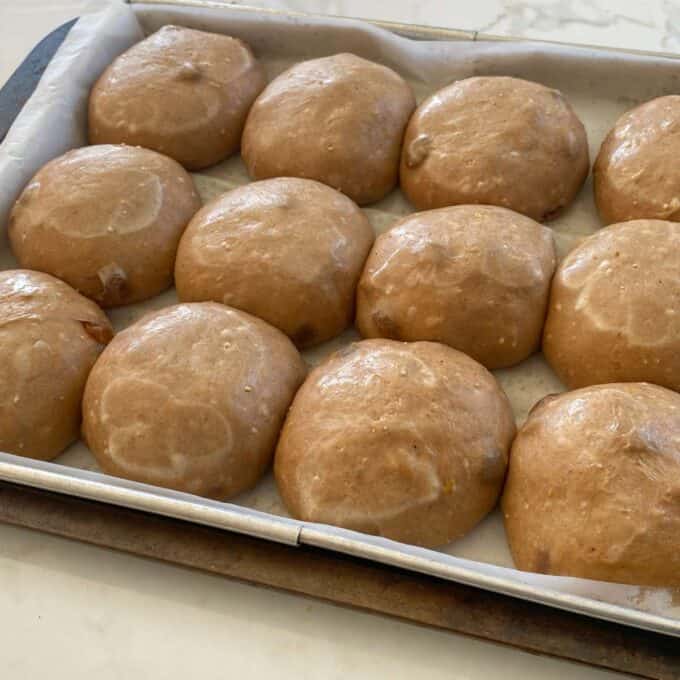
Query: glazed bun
point(613, 314)
point(339, 120)
point(105, 219)
point(181, 92)
point(191, 397)
point(404, 440)
point(287, 250)
point(593, 486)
point(636, 174)
point(497, 141)
point(50, 336)
point(474, 277)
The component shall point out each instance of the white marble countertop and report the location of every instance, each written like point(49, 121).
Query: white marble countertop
point(74, 611)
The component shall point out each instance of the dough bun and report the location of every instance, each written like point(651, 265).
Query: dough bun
point(50, 337)
point(192, 398)
point(182, 92)
point(636, 174)
point(498, 141)
point(404, 440)
point(339, 120)
point(593, 486)
point(474, 277)
point(287, 250)
point(105, 219)
point(613, 314)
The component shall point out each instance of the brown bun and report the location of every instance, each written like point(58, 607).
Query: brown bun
point(495, 140)
point(613, 314)
point(339, 120)
point(593, 486)
point(636, 174)
point(473, 277)
point(182, 92)
point(287, 250)
point(50, 337)
point(105, 219)
point(406, 441)
point(191, 397)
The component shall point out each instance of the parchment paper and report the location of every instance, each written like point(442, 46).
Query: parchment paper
point(600, 85)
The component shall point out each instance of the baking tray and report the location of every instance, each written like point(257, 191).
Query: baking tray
point(653, 609)
point(349, 582)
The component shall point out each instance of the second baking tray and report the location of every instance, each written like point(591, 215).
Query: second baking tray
point(600, 84)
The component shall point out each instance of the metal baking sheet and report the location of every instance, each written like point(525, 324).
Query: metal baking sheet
point(599, 83)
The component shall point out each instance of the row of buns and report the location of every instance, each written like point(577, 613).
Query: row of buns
point(411, 441)
point(119, 223)
point(354, 125)
point(405, 434)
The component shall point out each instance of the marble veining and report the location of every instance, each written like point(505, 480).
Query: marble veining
point(651, 25)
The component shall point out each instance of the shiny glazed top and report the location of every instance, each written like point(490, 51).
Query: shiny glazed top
point(636, 174)
point(182, 92)
point(287, 250)
point(473, 277)
point(593, 486)
point(339, 120)
point(613, 313)
point(50, 338)
point(106, 219)
point(498, 141)
point(191, 397)
point(403, 440)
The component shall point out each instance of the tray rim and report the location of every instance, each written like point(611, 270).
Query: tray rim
point(97, 486)
point(229, 516)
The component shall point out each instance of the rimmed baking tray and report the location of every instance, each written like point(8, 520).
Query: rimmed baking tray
point(601, 84)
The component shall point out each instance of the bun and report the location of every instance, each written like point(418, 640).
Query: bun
point(497, 141)
point(181, 92)
point(50, 336)
point(339, 120)
point(191, 397)
point(404, 440)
